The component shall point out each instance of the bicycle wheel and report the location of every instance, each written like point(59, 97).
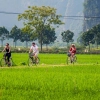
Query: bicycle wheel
point(3, 63)
point(31, 61)
point(75, 59)
point(68, 60)
point(38, 60)
point(10, 62)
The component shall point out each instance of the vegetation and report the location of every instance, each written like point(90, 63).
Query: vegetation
point(91, 36)
point(15, 34)
point(49, 36)
point(4, 33)
point(67, 36)
point(51, 79)
point(37, 18)
point(25, 37)
point(54, 59)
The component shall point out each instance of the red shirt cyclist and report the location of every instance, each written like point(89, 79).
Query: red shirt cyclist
point(72, 51)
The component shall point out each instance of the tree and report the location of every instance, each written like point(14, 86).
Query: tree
point(87, 37)
point(67, 36)
point(96, 32)
point(4, 33)
point(25, 37)
point(92, 35)
point(49, 35)
point(35, 19)
point(15, 34)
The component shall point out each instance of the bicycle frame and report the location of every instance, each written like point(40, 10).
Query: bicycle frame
point(4, 62)
point(31, 60)
point(71, 60)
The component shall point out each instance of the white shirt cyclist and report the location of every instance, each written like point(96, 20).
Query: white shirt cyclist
point(34, 49)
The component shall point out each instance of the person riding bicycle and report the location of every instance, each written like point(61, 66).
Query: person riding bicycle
point(72, 52)
point(7, 55)
point(34, 51)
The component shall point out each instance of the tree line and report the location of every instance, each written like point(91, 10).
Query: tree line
point(90, 36)
point(39, 24)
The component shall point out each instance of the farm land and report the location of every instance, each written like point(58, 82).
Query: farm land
point(51, 79)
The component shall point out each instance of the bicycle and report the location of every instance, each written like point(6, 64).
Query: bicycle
point(69, 60)
point(4, 62)
point(31, 60)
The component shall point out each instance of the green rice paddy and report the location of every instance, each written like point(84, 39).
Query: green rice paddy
point(52, 79)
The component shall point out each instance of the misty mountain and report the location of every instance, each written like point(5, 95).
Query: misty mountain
point(64, 7)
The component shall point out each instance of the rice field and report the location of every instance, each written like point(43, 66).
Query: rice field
point(55, 59)
point(52, 79)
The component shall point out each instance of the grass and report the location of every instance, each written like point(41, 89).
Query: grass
point(46, 81)
point(54, 59)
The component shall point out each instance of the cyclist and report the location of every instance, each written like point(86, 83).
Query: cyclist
point(7, 55)
point(34, 51)
point(72, 51)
